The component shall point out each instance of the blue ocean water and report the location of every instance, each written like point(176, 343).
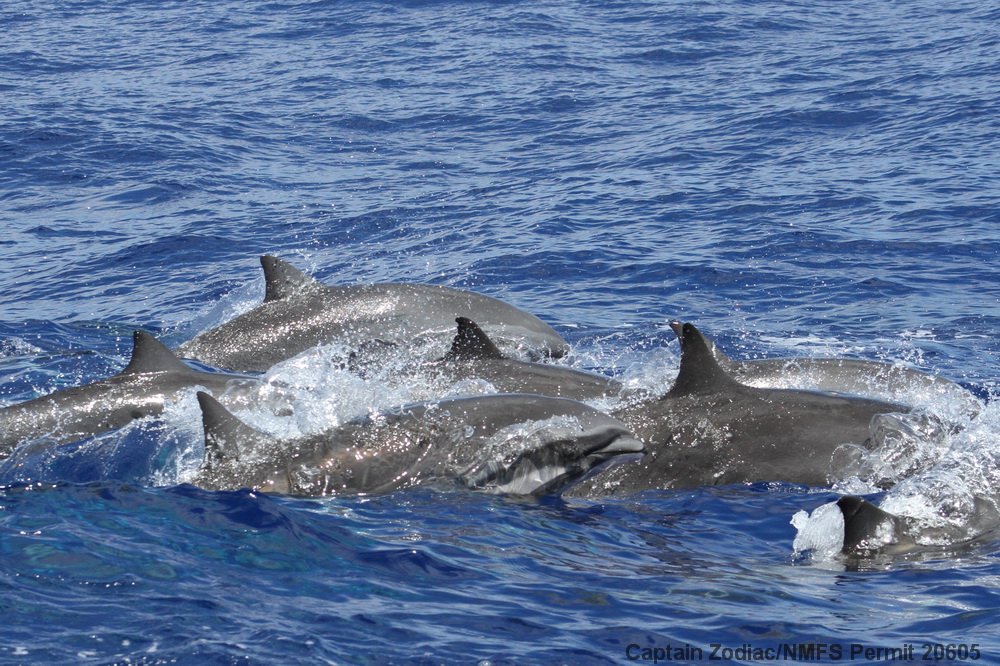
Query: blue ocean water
point(794, 178)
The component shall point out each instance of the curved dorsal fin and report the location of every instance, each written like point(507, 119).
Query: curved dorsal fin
point(149, 355)
point(699, 371)
point(471, 342)
point(223, 432)
point(282, 280)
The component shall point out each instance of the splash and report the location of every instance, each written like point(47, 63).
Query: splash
point(820, 533)
point(944, 483)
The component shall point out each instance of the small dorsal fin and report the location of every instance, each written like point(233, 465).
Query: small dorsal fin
point(149, 355)
point(699, 371)
point(223, 432)
point(282, 280)
point(471, 342)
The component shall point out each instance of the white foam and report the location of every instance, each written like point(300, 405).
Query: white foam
point(820, 534)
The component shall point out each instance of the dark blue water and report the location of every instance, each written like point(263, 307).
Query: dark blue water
point(794, 178)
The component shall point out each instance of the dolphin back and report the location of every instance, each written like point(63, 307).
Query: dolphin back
point(868, 528)
point(299, 313)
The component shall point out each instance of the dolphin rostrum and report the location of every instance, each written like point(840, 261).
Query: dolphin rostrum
point(299, 312)
point(153, 377)
point(711, 429)
point(517, 444)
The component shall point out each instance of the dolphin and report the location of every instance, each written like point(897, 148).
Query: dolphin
point(299, 312)
point(152, 378)
point(711, 429)
point(869, 529)
point(871, 532)
point(473, 355)
point(845, 375)
point(482, 442)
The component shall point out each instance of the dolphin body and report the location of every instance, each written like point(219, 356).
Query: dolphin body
point(872, 533)
point(299, 312)
point(152, 378)
point(845, 375)
point(452, 439)
point(711, 429)
point(473, 355)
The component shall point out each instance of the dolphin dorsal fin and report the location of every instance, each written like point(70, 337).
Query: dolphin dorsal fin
point(282, 280)
point(471, 342)
point(699, 371)
point(223, 432)
point(865, 525)
point(150, 355)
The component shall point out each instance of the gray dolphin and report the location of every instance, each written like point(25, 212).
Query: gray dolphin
point(153, 377)
point(299, 312)
point(845, 375)
point(473, 355)
point(870, 532)
point(711, 429)
point(868, 529)
point(455, 439)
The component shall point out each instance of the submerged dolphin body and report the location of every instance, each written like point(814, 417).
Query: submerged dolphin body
point(868, 529)
point(870, 532)
point(845, 375)
point(473, 355)
point(711, 429)
point(153, 377)
point(483, 442)
point(299, 312)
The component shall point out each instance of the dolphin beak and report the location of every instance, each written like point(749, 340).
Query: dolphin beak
point(620, 449)
point(622, 445)
point(559, 464)
point(678, 328)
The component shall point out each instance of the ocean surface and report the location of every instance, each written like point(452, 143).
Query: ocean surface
point(797, 179)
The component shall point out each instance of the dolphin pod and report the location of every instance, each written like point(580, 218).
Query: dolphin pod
point(417, 444)
point(152, 378)
point(715, 425)
point(299, 312)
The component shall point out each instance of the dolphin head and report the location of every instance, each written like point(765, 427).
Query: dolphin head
point(562, 457)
